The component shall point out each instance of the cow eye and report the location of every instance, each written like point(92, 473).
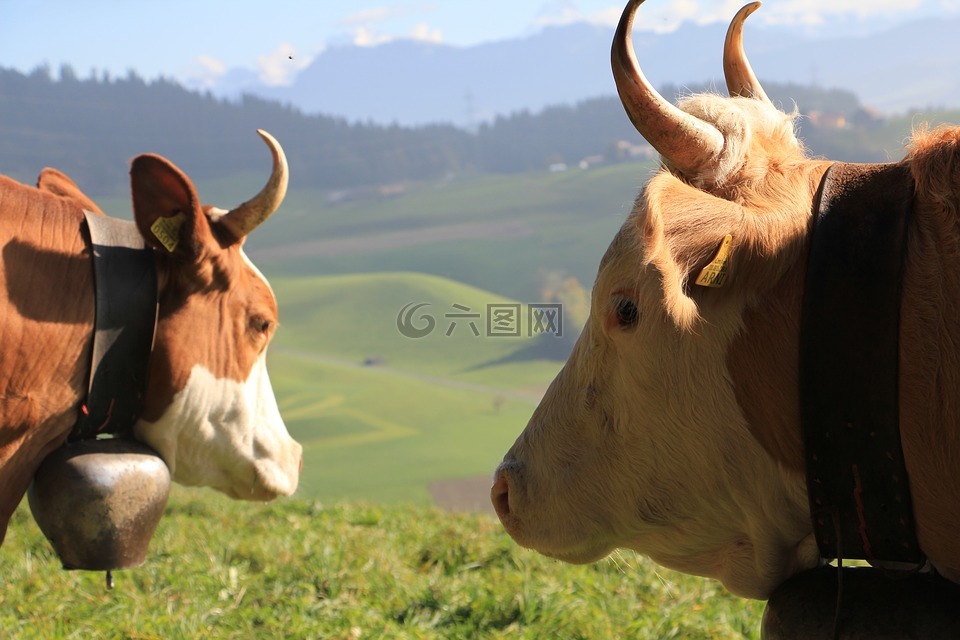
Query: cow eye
point(626, 312)
point(260, 325)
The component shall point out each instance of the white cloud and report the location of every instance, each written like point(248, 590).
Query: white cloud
point(425, 33)
point(370, 27)
point(651, 18)
point(212, 65)
point(555, 14)
point(205, 72)
point(666, 17)
point(280, 66)
point(377, 14)
point(367, 37)
point(811, 11)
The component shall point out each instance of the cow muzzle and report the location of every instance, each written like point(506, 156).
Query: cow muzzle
point(500, 492)
point(544, 523)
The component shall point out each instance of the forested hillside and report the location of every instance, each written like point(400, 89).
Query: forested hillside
point(91, 127)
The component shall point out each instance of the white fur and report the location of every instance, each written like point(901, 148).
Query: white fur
point(228, 435)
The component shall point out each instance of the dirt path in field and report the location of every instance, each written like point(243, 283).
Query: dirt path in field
point(463, 494)
point(395, 240)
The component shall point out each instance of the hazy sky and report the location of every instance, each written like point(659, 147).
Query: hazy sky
point(190, 40)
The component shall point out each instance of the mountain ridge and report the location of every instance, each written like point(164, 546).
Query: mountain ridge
point(414, 83)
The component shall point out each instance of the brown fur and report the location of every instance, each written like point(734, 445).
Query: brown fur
point(57, 183)
point(930, 346)
point(43, 337)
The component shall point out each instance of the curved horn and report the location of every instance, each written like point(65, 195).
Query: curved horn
point(248, 216)
point(688, 143)
point(741, 80)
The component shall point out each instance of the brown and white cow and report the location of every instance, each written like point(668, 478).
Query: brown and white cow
point(209, 408)
point(674, 427)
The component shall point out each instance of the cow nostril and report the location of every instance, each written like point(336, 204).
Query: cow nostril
point(500, 495)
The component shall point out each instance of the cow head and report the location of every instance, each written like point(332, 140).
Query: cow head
point(640, 441)
point(209, 409)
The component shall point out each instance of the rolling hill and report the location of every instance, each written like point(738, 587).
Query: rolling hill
point(382, 416)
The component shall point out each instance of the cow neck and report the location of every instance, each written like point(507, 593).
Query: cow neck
point(856, 477)
point(125, 286)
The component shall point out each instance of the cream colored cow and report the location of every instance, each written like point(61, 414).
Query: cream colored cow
point(674, 427)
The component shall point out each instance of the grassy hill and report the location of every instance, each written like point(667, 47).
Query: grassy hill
point(440, 407)
point(421, 410)
point(300, 569)
point(498, 233)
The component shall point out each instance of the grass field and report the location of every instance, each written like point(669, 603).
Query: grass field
point(441, 406)
point(298, 569)
point(521, 225)
point(430, 409)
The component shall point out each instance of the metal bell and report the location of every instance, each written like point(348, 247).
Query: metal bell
point(98, 502)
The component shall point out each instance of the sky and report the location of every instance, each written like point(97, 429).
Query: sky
point(194, 41)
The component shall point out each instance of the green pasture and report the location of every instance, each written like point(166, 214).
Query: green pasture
point(523, 226)
point(422, 410)
point(442, 406)
point(355, 317)
point(528, 224)
point(383, 435)
point(300, 569)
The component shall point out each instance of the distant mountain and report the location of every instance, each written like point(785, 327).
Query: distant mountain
point(914, 65)
point(91, 128)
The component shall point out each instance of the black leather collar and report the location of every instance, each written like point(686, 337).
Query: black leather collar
point(125, 282)
point(856, 478)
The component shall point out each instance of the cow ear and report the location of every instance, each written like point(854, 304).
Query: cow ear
point(695, 240)
point(57, 183)
point(167, 210)
point(710, 250)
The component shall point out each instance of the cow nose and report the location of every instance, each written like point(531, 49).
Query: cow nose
point(507, 488)
point(500, 494)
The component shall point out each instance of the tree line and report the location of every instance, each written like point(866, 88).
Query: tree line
point(90, 128)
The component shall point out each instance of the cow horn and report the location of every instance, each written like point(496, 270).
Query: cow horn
point(741, 80)
point(248, 216)
point(686, 142)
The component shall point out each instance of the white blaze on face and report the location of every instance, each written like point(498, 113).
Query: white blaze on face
point(227, 435)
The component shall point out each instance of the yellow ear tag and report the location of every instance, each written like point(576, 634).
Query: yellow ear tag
point(715, 273)
point(167, 231)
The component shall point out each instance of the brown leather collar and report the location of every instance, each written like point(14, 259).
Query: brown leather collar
point(856, 478)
